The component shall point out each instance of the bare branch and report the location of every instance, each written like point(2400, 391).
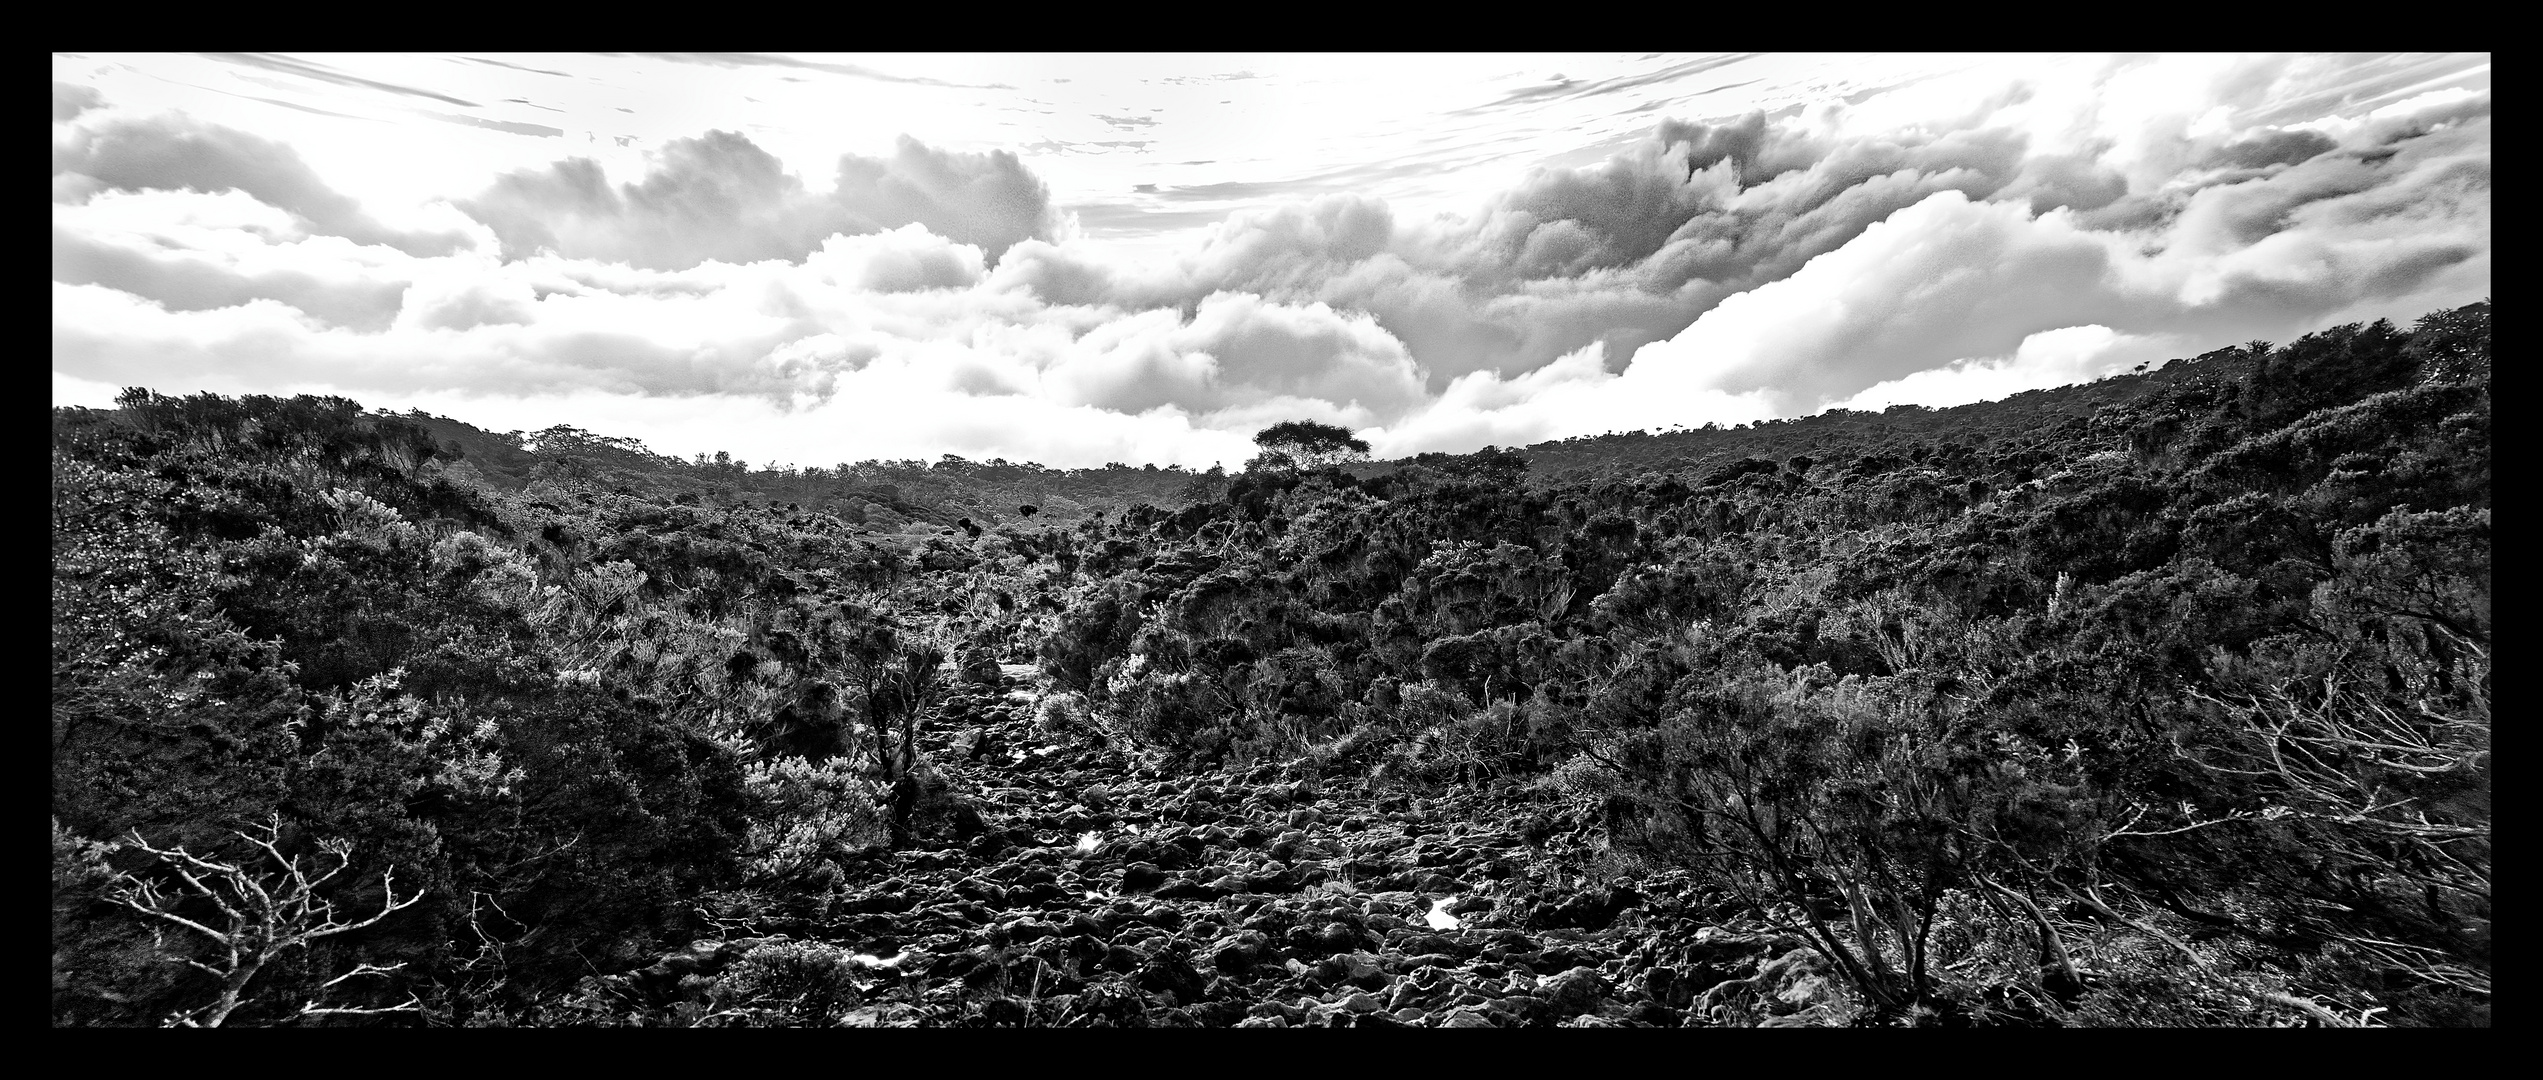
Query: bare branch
point(274, 913)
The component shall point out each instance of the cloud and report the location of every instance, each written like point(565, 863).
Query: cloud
point(989, 200)
point(507, 126)
point(851, 70)
point(1239, 352)
point(717, 197)
point(1573, 396)
point(69, 101)
point(1907, 245)
point(1946, 240)
point(187, 282)
point(721, 197)
point(175, 153)
point(905, 259)
point(323, 73)
point(515, 67)
point(1559, 87)
point(1954, 297)
point(1940, 280)
point(2050, 358)
point(1617, 255)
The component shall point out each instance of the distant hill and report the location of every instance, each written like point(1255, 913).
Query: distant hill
point(882, 494)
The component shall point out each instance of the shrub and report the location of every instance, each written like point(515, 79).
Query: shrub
point(788, 983)
point(807, 818)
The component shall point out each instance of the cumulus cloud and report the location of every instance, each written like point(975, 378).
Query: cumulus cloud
point(69, 101)
point(187, 282)
point(1942, 279)
point(2050, 358)
point(175, 153)
point(721, 197)
point(905, 259)
point(193, 252)
point(1941, 243)
point(1241, 352)
point(988, 200)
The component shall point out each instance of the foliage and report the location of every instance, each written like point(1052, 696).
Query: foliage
point(2164, 698)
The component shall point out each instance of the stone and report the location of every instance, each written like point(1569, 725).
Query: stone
point(1184, 888)
point(1239, 951)
point(1120, 958)
point(1794, 971)
point(1419, 943)
point(1669, 986)
point(1274, 881)
point(1355, 969)
point(1021, 930)
point(1435, 882)
point(1403, 994)
point(1466, 1018)
point(1575, 991)
point(1804, 992)
point(997, 1012)
point(1171, 972)
point(1141, 877)
point(975, 745)
point(894, 1014)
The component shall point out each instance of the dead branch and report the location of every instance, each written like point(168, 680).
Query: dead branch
point(262, 916)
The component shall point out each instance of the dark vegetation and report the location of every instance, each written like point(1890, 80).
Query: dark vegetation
point(2159, 700)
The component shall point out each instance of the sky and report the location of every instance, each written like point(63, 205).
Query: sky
point(1078, 259)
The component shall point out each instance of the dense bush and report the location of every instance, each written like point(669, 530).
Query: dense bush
point(2208, 647)
point(2192, 667)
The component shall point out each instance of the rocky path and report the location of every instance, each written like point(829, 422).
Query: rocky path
point(1099, 890)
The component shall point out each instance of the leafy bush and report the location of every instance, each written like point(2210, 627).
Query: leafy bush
point(789, 984)
point(807, 819)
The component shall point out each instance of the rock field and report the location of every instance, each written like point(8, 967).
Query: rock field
point(1097, 890)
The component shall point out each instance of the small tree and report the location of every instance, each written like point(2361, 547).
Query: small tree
point(900, 681)
point(1309, 445)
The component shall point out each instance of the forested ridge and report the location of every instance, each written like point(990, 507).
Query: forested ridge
point(2160, 700)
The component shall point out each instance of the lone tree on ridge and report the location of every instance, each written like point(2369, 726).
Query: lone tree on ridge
point(1307, 444)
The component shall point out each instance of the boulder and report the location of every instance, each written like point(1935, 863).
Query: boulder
point(1353, 969)
point(1573, 992)
point(1171, 971)
point(1141, 877)
point(1239, 951)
